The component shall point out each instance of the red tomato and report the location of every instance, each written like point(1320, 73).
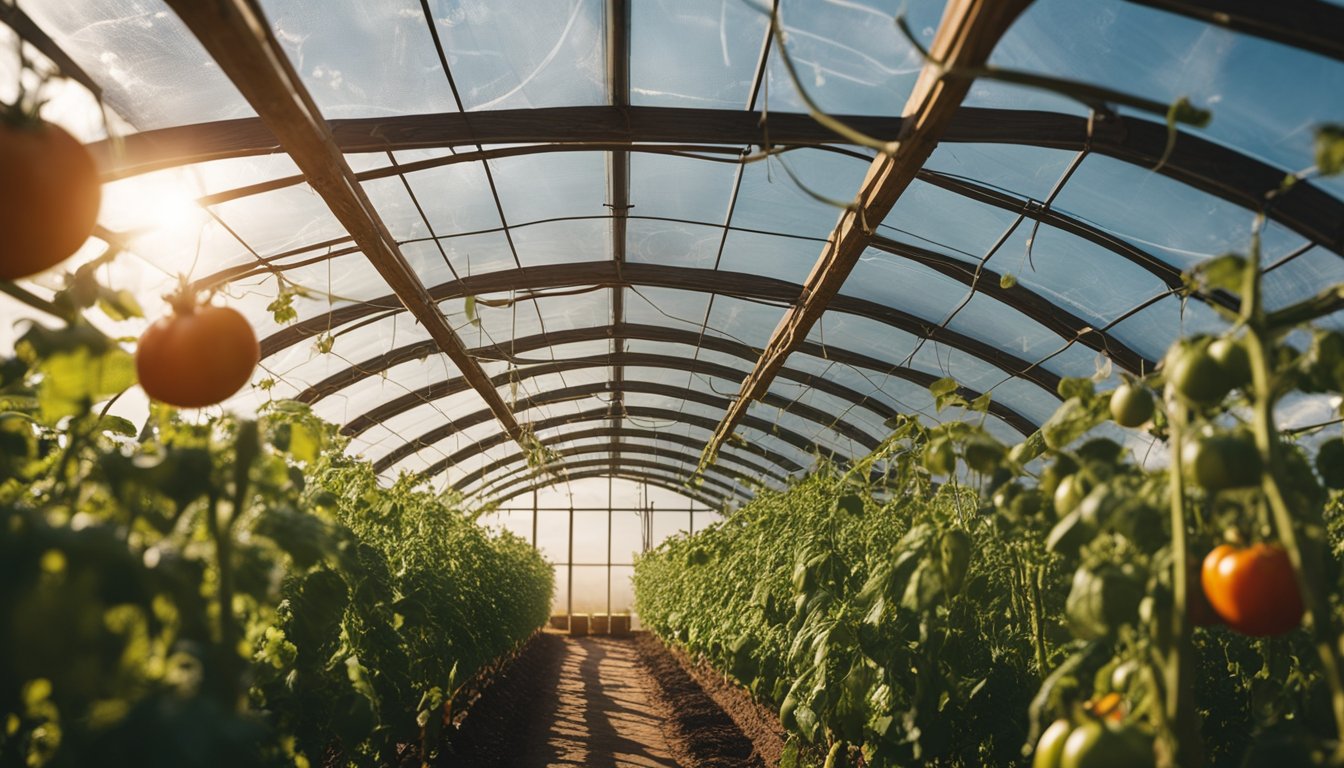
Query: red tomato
point(1254, 589)
point(197, 356)
point(49, 196)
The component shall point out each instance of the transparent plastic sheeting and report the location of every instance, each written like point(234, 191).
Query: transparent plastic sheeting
point(767, 220)
point(1165, 57)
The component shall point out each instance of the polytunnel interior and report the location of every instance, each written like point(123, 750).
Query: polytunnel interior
point(614, 234)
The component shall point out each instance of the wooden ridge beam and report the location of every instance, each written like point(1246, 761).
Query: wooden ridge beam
point(240, 41)
point(965, 37)
point(618, 192)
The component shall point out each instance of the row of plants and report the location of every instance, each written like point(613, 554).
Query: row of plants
point(954, 600)
point(226, 591)
point(210, 591)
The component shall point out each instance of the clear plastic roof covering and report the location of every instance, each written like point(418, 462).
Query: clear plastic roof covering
point(583, 193)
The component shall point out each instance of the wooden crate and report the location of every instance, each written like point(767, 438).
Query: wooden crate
point(619, 624)
point(599, 624)
point(578, 624)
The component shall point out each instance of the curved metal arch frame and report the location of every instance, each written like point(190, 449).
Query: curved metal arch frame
point(1170, 275)
point(622, 461)
point(480, 473)
point(610, 274)
point(706, 496)
point(638, 332)
point(809, 413)
point(430, 438)
point(456, 385)
point(1023, 301)
point(1196, 162)
point(609, 456)
point(602, 414)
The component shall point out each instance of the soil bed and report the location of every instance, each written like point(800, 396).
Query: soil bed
point(602, 702)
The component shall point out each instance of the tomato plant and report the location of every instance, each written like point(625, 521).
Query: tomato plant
point(51, 195)
point(197, 356)
point(230, 592)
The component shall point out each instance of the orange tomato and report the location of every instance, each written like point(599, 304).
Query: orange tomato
point(197, 356)
point(49, 196)
point(1253, 589)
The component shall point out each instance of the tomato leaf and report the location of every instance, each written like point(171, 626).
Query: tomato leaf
point(118, 305)
point(469, 307)
point(1227, 272)
point(72, 382)
point(1073, 418)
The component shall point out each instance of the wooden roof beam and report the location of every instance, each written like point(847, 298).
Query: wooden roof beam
point(965, 38)
point(239, 38)
point(618, 195)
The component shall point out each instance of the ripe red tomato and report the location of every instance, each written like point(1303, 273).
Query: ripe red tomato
point(1253, 589)
point(49, 199)
point(197, 356)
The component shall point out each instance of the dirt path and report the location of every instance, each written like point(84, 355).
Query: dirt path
point(568, 702)
point(597, 702)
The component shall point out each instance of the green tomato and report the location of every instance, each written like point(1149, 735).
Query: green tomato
point(786, 712)
point(1217, 462)
point(1131, 405)
point(1050, 748)
point(1100, 745)
point(1231, 356)
point(1070, 493)
point(1056, 472)
point(1197, 377)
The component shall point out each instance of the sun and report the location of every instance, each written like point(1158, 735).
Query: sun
point(158, 205)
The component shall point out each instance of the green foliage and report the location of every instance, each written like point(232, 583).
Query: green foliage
point(226, 593)
point(905, 628)
point(948, 597)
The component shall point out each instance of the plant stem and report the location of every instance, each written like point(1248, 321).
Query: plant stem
point(229, 672)
point(1037, 626)
point(1180, 702)
point(1306, 560)
point(36, 302)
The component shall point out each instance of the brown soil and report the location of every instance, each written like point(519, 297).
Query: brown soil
point(702, 734)
point(756, 721)
point(598, 702)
